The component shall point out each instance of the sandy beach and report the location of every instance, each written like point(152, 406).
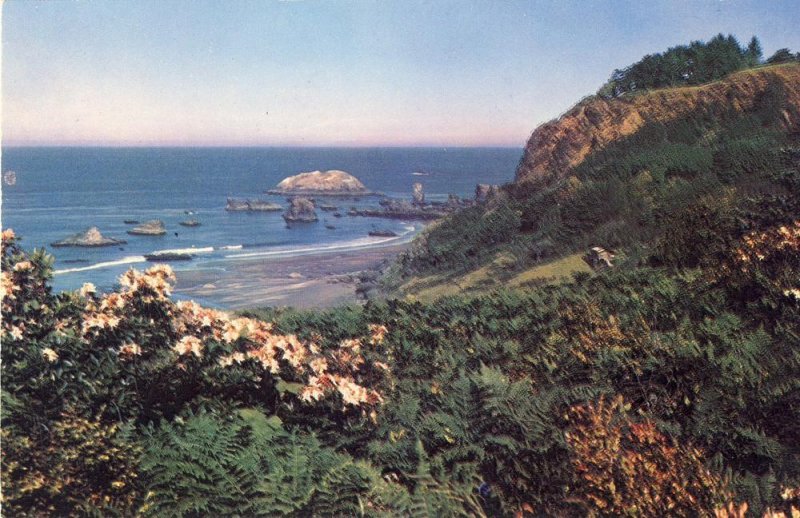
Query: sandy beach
point(305, 281)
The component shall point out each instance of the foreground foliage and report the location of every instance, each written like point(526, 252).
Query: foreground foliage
point(641, 391)
point(669, 386)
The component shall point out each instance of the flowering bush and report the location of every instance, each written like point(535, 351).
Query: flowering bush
point(134, 355)
point(142, 330)
point(24, 291)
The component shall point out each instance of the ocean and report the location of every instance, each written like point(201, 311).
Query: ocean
point(62, 191)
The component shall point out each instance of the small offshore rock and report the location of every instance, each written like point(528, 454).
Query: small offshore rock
point(301, 210)
point(234, 205)
point(89, 238)
point(382, 233)
point(154, 227)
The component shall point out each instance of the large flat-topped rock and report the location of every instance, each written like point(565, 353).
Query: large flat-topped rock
point(322, 183)
point(154, 227)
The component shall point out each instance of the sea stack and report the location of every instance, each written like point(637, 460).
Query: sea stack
point(321, 183)
point(418, 194)
point(89, 238)
point(154, 227)
point(301, 210)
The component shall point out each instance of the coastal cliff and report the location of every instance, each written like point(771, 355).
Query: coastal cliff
point(558, 146)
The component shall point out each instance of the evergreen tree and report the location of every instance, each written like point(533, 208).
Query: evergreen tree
point(754, 53)
point(781, 56)
point(694, 64)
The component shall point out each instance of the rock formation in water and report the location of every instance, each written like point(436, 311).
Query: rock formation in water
point(300, 210)
point(154, 227)
point(382, 233)
point(263, 206)
point(455, 202)
point(251, 206)
point(404, 209)
point(418, 194)
point(168, 257)
point(321, 183)
point(89, 238)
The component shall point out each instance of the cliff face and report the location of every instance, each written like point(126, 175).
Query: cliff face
point(558, 146)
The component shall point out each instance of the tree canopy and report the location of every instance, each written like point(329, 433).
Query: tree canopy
point(693, 64)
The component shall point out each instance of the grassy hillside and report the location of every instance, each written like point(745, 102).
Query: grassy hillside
point(499, 273)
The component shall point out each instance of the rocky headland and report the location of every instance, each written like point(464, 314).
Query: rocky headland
point(301, 210)
point(558, 146)
point(88, 238)
point(154, 227)
point(321, 183)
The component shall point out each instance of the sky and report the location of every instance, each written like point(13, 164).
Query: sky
point(334, 72)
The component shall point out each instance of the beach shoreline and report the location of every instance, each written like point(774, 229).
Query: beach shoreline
point(320, 280)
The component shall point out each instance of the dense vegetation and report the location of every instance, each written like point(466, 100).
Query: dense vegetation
point(668, 385)
point(693, 64)
point(639, 391)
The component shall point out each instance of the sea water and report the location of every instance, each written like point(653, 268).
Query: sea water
point(63, 191)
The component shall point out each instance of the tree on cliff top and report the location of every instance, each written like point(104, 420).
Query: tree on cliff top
point(692, 64)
